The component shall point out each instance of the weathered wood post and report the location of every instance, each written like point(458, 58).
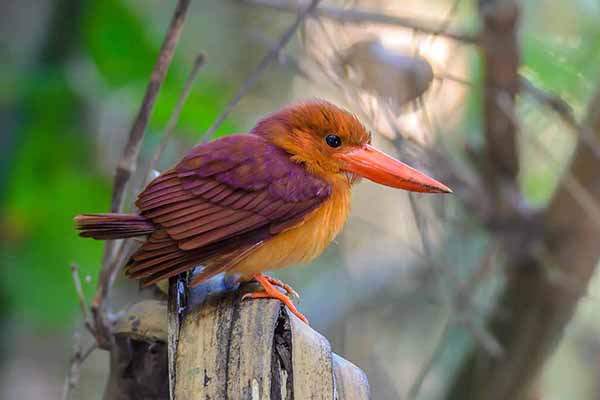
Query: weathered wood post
point(222, 348)
point(228, 349)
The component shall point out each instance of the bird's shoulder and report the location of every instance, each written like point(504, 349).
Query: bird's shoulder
point(233, 185)
point(249, 162)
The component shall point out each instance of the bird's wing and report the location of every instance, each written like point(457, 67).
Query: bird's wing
point(232, 193)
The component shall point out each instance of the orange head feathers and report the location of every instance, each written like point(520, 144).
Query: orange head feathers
point(248, 203)
point(302, 130)
point(330, 142)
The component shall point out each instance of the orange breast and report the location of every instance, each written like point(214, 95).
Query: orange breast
point(302, 243)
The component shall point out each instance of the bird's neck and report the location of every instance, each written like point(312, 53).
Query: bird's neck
point(326, 222)
point(315, 163)
point(299, 146)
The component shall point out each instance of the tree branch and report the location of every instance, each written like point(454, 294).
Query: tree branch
point(268, 59)
point(553, 102)
point(535, 308)
point(77, 359)
point(435, 356)
point(362, 16)
point(81, 297)
point(565, 112)
point(126, 167)
point(128, 162)
point(501, 59)
point(198, 64)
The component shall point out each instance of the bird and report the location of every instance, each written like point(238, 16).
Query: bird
point(249, 203)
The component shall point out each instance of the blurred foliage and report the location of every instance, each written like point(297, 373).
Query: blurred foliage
point(118, 44)
point(561, 59)
point(55, 175)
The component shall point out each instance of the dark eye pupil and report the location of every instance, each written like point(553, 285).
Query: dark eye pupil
point(333, 140)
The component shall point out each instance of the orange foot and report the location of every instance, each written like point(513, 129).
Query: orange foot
point(288, 289)
point(270, 292)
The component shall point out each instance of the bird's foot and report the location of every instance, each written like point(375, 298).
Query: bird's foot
point(270, 292)
point(288, 289)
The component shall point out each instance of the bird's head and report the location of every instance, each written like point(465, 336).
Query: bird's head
point(332, 143)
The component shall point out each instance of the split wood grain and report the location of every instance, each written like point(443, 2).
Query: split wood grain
point(222, 348)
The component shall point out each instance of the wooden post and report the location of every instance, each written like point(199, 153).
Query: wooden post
point(256, 349)
point(221, 348)
point(138, 362)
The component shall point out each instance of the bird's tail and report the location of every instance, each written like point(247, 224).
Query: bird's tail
point(112, 226)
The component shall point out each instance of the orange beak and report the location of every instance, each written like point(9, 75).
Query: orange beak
point(377, 166)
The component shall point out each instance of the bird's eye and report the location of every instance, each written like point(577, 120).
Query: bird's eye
point(333, 140)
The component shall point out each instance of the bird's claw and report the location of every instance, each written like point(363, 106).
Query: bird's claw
point(270, 292)
point(288, 289)
point(247, 296)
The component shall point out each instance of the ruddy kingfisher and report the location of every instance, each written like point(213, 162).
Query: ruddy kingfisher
point(248, 203)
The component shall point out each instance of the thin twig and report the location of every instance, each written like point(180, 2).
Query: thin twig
point(261, 67)
point(565, 112)
point(128, 161)
point(77, 359)
point(552, 101)
point(127, 165)
point(568, 233)
point(88, 352)
point(445, 22)
point(557, 276)
point(462, 306)
point(284, 58)
point(72, 377)
point(354, 15)
point(483, 336)
point(415, 388)
point(443, 27)
point(453, 78)
point(198, 64)
point(580, 194)
point(81, 297)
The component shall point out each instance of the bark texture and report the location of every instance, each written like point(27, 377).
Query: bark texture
point(551, 254)
point(211, 345)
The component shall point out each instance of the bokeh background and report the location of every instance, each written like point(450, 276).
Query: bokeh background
point(71, 81)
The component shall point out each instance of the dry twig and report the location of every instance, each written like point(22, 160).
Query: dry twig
point(553, 102)
point(125, 169)
point(198, 64)
point(128, 162)
point(534, 309)
point(77, 360)
point(581, 195)
point(362, 16)
point(565, 112)
point(446, 21)
point(435, 356)
point(267, 60)
point(81, 297)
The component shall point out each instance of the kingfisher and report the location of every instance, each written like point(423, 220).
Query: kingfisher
point(254, 202)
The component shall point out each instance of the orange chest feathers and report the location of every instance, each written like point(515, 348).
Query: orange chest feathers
point(302, 243)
